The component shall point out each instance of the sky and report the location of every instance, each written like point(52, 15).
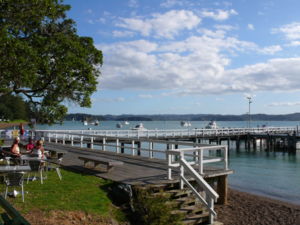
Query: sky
point(193, 56)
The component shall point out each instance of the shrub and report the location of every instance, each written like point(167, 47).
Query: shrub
point(153, 210)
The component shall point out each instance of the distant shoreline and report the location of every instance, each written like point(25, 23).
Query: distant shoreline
point(185, 117)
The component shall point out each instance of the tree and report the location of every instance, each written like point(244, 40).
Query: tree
point(43, 59)
point(13, 107)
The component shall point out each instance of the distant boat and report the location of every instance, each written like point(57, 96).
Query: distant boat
point(85, 123)
point(211, 125)
point(119, 125)
point(96, 122)
point(185, 124)
point(139, 127)
point(126, 123)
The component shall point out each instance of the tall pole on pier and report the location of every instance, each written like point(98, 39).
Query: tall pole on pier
point(249, 111)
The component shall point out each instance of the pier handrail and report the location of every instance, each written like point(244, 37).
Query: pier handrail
point(210, 195)
point(156, 133)
point(185, 166)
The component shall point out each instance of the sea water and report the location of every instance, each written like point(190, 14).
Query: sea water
point(275, 175)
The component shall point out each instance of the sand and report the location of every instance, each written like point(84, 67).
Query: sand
point(248, 209)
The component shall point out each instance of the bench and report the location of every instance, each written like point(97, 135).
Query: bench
point(55, 152)
point(97, 160)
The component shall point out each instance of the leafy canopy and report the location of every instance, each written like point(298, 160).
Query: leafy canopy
point(43, 59)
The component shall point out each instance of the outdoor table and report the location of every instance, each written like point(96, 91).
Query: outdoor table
point(17, 168)
point(11, 169)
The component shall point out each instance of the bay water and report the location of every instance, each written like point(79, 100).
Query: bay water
point(275, 175)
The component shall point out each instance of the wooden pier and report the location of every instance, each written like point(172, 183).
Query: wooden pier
point(264, 138)
point(191, 160)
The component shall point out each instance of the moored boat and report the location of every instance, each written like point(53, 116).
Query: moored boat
point(139, 127)
point(119, 125)
point(211, 125)
point(185, 124)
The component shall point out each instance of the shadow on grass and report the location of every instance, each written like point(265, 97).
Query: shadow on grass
point(118, 196)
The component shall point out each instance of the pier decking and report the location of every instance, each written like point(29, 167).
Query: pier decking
point(137, 170)
point(185, 158)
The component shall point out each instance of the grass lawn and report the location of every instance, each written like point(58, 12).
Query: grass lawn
point(77, 195)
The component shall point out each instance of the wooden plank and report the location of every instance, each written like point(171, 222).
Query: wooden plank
point(135, 169)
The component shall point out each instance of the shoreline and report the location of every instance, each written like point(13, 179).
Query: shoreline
point(267, 196)
point(249, 209)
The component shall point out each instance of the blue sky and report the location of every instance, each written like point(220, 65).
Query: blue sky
point(193, 56)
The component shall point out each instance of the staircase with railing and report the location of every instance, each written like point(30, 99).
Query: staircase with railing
point(196, 158)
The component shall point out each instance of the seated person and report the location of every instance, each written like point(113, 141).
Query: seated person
point(29, 146)
point(39, 149)
point(15, 148)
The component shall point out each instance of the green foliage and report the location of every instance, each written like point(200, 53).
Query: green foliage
point(153, 210)
point(43, 58)
point(13, 108)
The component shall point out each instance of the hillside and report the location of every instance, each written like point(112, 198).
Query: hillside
point(189, 117)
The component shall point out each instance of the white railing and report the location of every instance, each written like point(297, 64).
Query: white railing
point(197, 160)
point(181, 132)
point(178, 154)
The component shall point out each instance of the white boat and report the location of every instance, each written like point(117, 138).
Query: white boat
point(119, 125)
point(85, 123)
point(211, 125)
point(96, 122)
point(126, 123)
point(139, 127)
point(185, 124)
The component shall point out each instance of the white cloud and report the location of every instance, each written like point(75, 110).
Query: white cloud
point(270, 50)
point(294, 43)
point(277, 104)
point(101, 20)
point(118, 33)
point(219, 14)
point(108, 100)
point(145, 96)
point(196, 65)
point(90, 21)
point(225, 27)
point(162, 25)
point(250, 26)
point(171, 3)
point(89, 11)
point(290, 31)
point(133, 3)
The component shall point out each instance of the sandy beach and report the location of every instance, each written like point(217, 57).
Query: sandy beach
point(247, 209)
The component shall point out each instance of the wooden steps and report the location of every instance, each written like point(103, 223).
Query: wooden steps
point(185, 204)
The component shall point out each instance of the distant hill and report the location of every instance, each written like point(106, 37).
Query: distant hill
point(185, 117)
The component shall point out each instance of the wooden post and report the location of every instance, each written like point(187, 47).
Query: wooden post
point(138, 148)
point(104, 144)
point(260, 143)
point(254, 144)
point(92, 142)
point(122, 147)
point(132, 148)
point(81, 141)
point(237, 142)
point(222, 190)
point(117, 146)
point(150, 150)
